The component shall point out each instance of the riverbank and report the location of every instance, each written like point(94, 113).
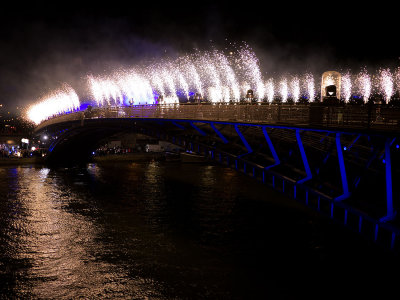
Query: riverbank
point(21, 161)
point(140, 156)
point(110, 158)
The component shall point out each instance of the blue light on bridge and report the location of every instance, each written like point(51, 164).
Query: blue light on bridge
point(84, 106)
point(126, 100)
point(156, 95)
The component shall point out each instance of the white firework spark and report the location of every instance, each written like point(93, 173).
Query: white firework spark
point(346, 86)
point(231, 84)
point(269, 86)
point(295, 86)
point(365, 85)
point(62, 101)
point(397, 79)
point(283, 89)
point(252, 70)
point(386, 84)
point(310, 86)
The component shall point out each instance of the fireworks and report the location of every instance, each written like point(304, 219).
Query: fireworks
point(365, 85)
point(231, 86)
point(397, 79)
point(295, 85)
point(126, 88)
point(251, 67)
point(213, 77)
point(346, 86)
point(386, 83)
point(62, 101)
point(283, 89)
point(310, 86)
point(269, 86)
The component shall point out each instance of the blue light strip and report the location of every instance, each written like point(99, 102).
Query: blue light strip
point(345, 186)
point(177, 125)
point(272, 148)
point(304, 158)
point(390, 214)
point(353, 141)
point(219, 133)
point(198, 129)
point(246, 144)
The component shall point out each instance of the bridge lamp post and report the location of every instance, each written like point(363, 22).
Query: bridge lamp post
point(249, 96)
point(330, 87)
point(197, 98)
point(160, 99)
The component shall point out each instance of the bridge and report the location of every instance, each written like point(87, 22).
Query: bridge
point(340, 160)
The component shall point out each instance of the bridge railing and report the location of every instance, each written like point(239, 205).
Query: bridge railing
point(349, 116)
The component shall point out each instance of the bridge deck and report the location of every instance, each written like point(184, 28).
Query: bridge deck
point(351, 117)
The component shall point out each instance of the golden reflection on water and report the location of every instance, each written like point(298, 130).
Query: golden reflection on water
point(129, 231)
point(159, 231)
point(63, 248)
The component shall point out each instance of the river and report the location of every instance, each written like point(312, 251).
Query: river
point(168, 230)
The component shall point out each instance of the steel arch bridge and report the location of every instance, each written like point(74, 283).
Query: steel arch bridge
point(343, 161)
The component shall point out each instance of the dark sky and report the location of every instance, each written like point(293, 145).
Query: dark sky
point(43, 46)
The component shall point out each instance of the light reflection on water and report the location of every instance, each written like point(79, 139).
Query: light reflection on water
point(56, 249)
point(155, 231)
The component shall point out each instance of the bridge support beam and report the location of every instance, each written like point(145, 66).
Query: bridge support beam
point(219, 133)
point(246, 144)
point(303, 157)
point(178, 125)
point(353, 141)
point(390, 213)
point(342, 169)
point(198, 129)
point(272, 148)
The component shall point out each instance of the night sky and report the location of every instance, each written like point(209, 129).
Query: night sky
point(44, 46)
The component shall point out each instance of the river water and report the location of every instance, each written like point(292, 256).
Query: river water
point(166, 230)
